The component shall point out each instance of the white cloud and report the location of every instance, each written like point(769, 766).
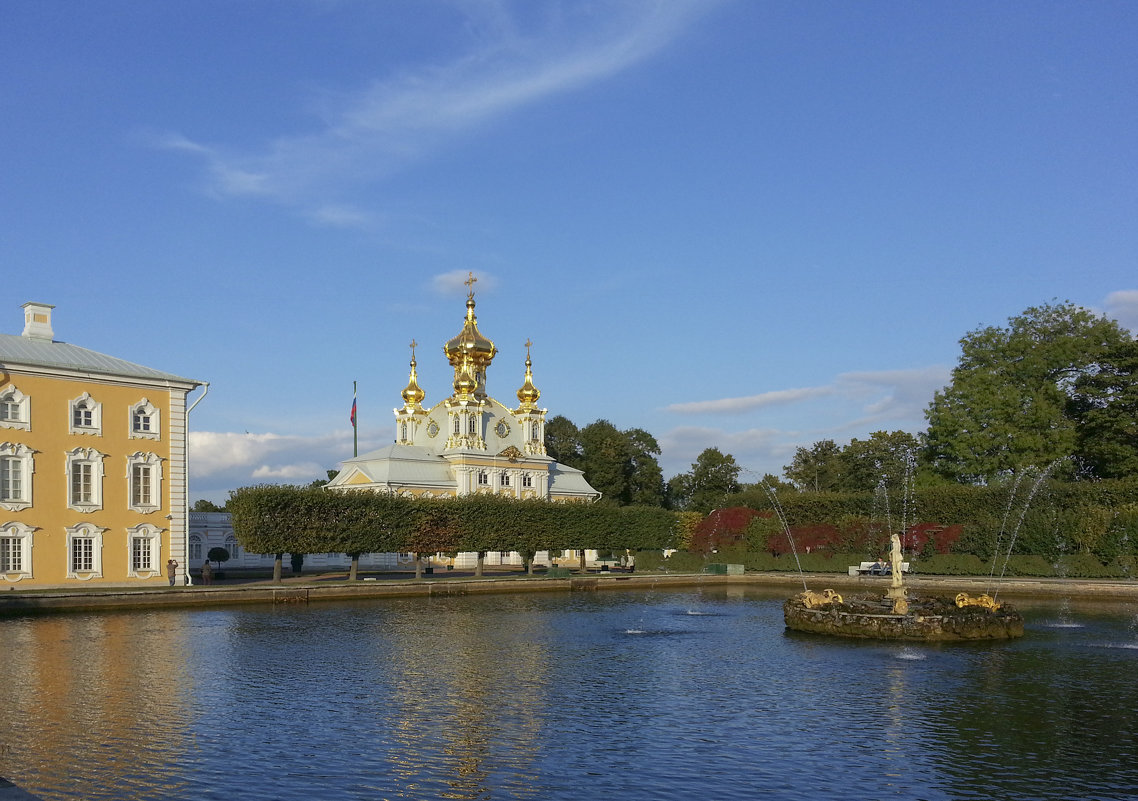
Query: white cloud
point(852, 405)
point(289, 472)
point(454, 282)
point(223, 461)
point(735, 405)
point(1123, 307)
point(394, 120)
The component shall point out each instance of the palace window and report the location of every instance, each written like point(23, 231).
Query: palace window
point(472, 425)
point(403, 436)
point(16, 551)
point(505, 479)
point(86, 415)
point(232, 546)
point(144, 418)
point(144, 474)
point(527, 480)
point(145, 542)
point(16, 466)
point(483, 478)
point(14, 409)
point(195, 547)
point(84, 551)
point(85, 479)
point(457, 425)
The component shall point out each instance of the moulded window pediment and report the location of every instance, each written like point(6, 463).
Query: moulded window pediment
point(15, 409)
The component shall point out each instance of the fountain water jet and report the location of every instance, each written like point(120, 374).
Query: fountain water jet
point(896, 616)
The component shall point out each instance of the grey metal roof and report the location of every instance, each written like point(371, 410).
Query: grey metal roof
point(565, 480)
point(31, 352)
point(410, 465)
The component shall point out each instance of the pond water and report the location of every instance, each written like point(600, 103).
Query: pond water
point(638, 695)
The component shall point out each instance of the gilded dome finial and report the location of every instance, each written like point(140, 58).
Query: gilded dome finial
point(413, 395)
point(470, 351)
point(528, 394)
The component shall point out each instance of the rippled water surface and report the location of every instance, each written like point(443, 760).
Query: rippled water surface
point(638, 695)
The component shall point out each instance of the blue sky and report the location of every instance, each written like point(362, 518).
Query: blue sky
point(750, 225)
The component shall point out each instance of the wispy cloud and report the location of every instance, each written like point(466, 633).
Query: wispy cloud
point(397, 119)
point(454, 282)
point(781, 397)
point(1123, 306)
point(852, 405)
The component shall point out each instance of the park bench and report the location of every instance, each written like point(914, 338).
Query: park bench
point(867, 569)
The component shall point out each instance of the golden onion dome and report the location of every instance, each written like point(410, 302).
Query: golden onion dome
point(528, 394)
point(469, 344)
point(465, 383)
point(413, 394)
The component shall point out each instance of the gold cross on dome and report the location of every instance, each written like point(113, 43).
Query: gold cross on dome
point(414, 344)
point(528, 344)
point(470, 283)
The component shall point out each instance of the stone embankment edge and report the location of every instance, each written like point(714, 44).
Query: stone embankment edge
point(10, 792)
point(25, 603)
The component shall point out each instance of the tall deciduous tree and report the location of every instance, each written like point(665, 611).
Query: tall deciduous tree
point(1007, 405)
point(645, 479)
point(1105, 405)
point(713, 478)
point(817, 469)
point(886, 456)
point(563, 441)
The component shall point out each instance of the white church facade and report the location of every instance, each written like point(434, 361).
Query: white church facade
point(469, 442)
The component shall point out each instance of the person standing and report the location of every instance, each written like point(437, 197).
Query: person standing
point(171, 570)
point(207, 573)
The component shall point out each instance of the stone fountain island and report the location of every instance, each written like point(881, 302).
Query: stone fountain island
point(896, 616)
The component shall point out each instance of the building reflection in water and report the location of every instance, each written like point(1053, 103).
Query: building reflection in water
point(88, 700)
point(488, 689)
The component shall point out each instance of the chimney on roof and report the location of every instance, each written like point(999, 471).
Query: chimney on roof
point(37, 321)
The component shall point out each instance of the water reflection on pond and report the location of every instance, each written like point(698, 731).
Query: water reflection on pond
point(638, 694)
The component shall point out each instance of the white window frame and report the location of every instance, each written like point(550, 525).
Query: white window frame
point(527, 481)
point(148, 538)
point(96, 410)
point(12, 398)
point(234, 547)
point(483, 478)
point(85, 456)
point(23, 535)
point(20, 456)
point(505, 479)
point(153, 463)
point(144, 409)
point(84, 532)
point(195, 547)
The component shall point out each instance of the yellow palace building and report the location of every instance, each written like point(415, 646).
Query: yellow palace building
point(92, 464)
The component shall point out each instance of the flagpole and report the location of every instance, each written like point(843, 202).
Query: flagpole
point(355, 424)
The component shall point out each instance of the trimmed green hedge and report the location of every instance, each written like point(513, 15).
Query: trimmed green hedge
point(283, 519)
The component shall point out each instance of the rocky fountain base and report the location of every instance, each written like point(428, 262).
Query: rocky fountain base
point(896, 617)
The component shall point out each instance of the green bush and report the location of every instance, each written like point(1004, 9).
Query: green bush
point(1026, 565)
point(954, 564)
point(1086, 565)
point(683, 562)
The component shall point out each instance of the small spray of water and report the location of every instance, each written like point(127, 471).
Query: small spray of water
point(785, 527)
point(1023, 514)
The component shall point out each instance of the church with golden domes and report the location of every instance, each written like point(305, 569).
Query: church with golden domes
point(468, 442)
